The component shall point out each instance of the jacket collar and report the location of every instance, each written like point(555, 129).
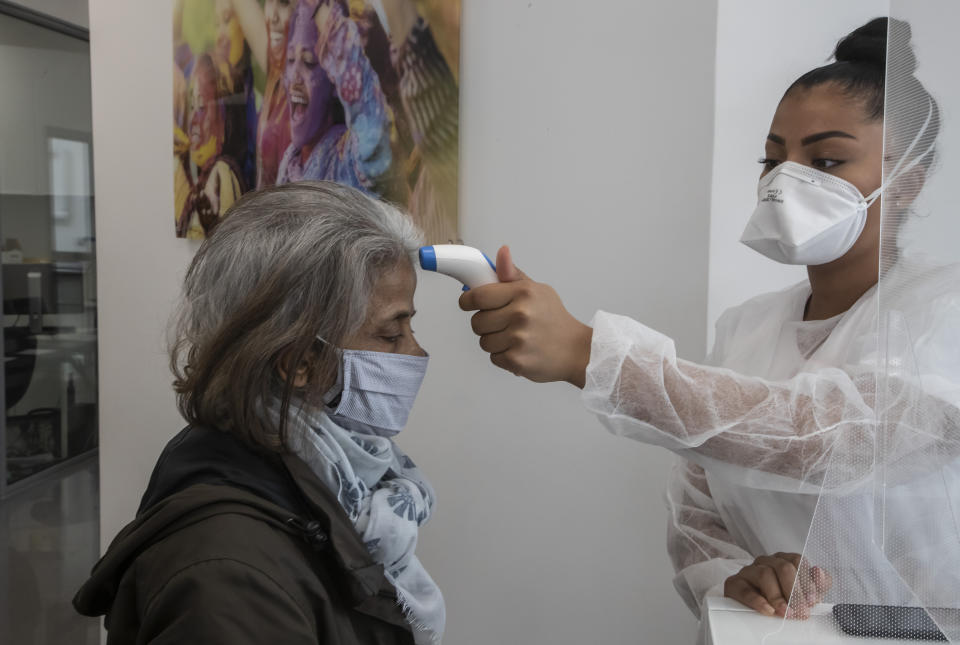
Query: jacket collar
point(368, 584)
point(203, 472)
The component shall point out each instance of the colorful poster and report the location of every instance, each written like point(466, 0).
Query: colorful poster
point(362, 92)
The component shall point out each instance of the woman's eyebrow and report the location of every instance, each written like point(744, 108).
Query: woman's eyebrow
point(820, 136)
point(813, 138)
point(401, 314)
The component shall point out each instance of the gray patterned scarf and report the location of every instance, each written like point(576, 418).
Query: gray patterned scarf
point(386, 497)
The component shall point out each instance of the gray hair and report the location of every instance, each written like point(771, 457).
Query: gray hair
point(285, 265)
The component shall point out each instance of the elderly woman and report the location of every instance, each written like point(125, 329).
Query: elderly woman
point(284, 512)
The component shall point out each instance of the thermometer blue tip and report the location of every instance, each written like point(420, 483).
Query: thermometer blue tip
point(428, 258)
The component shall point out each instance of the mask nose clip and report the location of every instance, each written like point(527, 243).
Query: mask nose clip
point(798, 172)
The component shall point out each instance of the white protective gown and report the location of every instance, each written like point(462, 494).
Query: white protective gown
point(755, 425)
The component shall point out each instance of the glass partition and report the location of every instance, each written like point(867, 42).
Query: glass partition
point(48, 468)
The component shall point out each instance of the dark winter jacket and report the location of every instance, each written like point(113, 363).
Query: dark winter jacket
point(233, 545)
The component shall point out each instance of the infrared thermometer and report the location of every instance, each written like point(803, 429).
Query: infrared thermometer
point(467, 264)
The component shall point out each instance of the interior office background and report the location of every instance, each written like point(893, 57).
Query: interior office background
point(612, 146)
point(49, 519)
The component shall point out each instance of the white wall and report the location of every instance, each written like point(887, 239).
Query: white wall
point(140, 262)
point(585, 145)
point(762, 47)
point(586, 138)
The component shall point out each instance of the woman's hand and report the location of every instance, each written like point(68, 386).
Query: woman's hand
point(766, 585)
point(525, 328)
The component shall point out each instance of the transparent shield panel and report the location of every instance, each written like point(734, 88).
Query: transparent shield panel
point(49, 514)
point(882, 557)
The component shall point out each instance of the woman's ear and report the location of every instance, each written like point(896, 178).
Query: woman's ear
point(317, 371)
point(301, 374)
point(907, 187)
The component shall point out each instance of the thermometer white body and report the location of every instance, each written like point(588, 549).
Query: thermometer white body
point(465, 263)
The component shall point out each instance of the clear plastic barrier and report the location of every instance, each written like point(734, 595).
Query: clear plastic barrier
point(885, 536)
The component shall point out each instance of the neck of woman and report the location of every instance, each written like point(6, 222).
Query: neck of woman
point(836, 286)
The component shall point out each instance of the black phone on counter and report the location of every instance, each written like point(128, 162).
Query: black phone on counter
point(887, 621)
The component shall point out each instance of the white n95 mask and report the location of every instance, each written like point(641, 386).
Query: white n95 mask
point(806, 216)
point(375, 391)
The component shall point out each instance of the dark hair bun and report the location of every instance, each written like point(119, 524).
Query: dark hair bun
point(867, 45)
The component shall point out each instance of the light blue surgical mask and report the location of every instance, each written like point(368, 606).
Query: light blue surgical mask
point(375, 391)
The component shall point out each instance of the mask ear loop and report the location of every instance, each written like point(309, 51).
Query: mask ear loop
point(331, 397)
point(897, 171)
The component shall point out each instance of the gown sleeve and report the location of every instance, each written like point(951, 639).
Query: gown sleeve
point(780, 434)
point(702, 551)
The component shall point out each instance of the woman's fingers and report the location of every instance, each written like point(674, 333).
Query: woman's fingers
point(513, 284)
point(764, 579)
point(785, 582)
point(490, 322)
point(739, 589)
point(506, 270)
point(785, 569)
point(811, 586)
point(525, 328)
point(822, 580)
point(493, 296)
point(497, 342)
point(813, 582)
point(795, 558)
